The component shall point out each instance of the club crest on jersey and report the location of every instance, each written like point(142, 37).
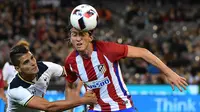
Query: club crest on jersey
point(102, 68)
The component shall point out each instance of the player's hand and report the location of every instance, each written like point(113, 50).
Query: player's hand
point(90, 98)
point(176, 80)
point(89, 94)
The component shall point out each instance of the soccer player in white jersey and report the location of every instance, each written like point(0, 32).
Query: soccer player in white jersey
point(26, 90)
point(8, 70)
point(96, 64)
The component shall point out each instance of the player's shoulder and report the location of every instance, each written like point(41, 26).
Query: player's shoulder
point(104, 45)
point(7, 65)
point(71, 57)
point(45, 66)
point(17, 82)
point(100, 43)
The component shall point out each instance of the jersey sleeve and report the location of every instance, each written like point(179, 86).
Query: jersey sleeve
point(113, 51)
point(70, 76)
point(1, 80)
point(20, 95)
point(55, 69)
point(9, 72)
point(5, 73)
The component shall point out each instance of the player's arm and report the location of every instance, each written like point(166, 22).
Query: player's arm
point(72, 91)
point(2, 95)
point(68, 92)
point(61, 105)
point(173, 78)
point(29, 100)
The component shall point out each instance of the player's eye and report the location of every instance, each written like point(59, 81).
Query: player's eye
point(82, 33)
point(26, 62)
point(74, 33)
point(32, 57)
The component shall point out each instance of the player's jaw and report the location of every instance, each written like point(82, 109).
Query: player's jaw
point(35, 70)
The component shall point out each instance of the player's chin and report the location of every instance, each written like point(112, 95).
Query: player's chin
point(80, 49)
point(35, 71)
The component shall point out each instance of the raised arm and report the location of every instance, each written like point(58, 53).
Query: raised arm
point(172, 77)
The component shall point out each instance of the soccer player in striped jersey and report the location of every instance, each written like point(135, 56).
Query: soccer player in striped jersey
point(96, 64)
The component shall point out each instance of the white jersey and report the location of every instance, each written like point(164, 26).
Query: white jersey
point(21, 91)
point(9, 72)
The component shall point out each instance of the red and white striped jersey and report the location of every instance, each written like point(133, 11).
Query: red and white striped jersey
point(101, 73)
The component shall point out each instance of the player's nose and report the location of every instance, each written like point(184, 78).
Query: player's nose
point(78, 38)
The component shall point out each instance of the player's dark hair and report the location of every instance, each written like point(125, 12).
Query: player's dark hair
point(16, 52)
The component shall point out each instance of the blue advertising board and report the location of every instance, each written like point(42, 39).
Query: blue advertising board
point(149, 103)
point(161, 90)
point(149, 98)
point(169, 103)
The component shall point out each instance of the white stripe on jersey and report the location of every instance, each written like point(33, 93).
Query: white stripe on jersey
point(128, 105)
point(117, 88)
point(81, 68)
point(70, 66)
point(120, 75)
point(104, 95)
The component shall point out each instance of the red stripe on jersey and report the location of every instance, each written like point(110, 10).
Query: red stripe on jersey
point(71, 61)
point(91, 74)
point(90, 69)
point(111, 88)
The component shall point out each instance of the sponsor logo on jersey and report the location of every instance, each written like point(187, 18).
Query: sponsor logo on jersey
point(98, 83)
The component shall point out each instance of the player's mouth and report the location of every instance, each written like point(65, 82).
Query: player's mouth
point(79, 44)
point(35, 68)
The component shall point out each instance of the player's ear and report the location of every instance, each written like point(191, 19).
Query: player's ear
point(17, 68)
point(91, 38)
point(70, 40)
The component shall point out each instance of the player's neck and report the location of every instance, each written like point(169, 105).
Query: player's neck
point(87, 52)
point(28, 77)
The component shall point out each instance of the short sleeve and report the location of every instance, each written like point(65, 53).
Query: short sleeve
point(20, 95)
point(113, 51)
point(70, 76)
point(1, 80)
point(9, 72)
point(55, 69)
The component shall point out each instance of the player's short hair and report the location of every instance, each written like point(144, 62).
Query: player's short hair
point(16, 52)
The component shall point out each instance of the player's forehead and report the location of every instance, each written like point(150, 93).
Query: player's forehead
point(25, 57)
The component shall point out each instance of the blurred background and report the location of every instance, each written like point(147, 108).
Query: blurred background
point(168, 28)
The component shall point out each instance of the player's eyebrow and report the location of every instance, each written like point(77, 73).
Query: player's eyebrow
point(26, 61)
